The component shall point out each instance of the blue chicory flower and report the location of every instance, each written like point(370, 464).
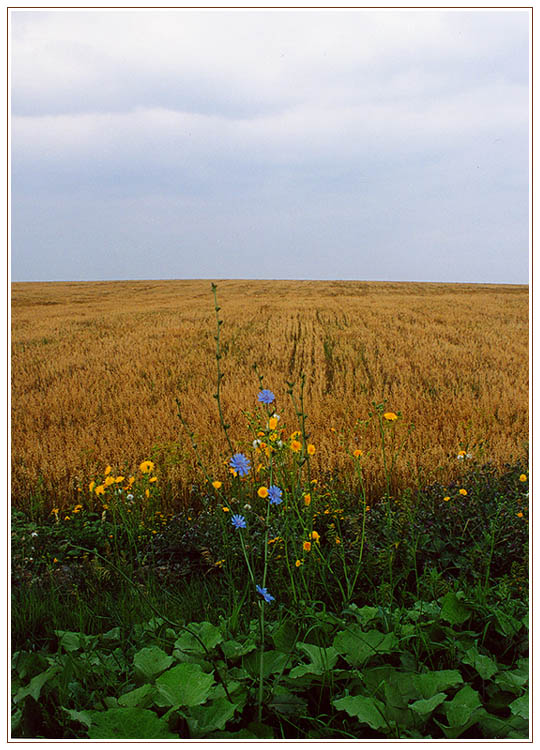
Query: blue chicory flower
point(266, 396)
point(264, 593)
point(240, 464)
point(239, 522)
point(275, 495)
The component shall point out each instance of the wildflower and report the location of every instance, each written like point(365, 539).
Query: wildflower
point(130, 496)
point(262, 492)
point(446, 499)
point(461, 454)
point(66, 518)
point(108, 470)
point(522, 477)
point(105, 506)
point(147, 493)
point(91, 486)
point(217, 484)
point(333, 429)
point(315, 536)
point(273, 437)
point(108, 481)
point(462, 492)
point(55, 511)
point(520, 514)
point(219, 563)
point(338, 540)
point(131, 480)
point(272, 422)
point(146, 467)
point(275, 495)
point(55, 559)
point(295, 435)
point(357, 453)
point(120, 479)
point(240, 464)
point(311, 449)
point(266, 397)
point(239, 522)
point(264, 593)
point(307, 499)
point(390, 416)
point(225, 509)
point(77, 509)
point(259, 468)
point(307, 546)
point(296, 446)
point(298, 563)
point(34, 533)
point(247, 506)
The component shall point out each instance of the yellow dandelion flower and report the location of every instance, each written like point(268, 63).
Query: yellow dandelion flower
point(338, 540)
point(146, 467)
point(153, 479)
point(259, 468)
point(131, 480)
point(357, 453)
point(217, 484)
point(224, 509)
point(446, 499)
point(462, 453)
point(522, 477)
point(219, 563)
point(315, 536)
point(520, 514)
point(295, 435)
point(311, 449)
point(262, 492)
point(390, 416)
point(55, 511)
point(314, 481)
point(147, 493)
point(298, 563)
point(66, 518)
point(307, 546)
point(108, 470)
point(273, 437)
point(232, 471)
point(108, 481)
point(105, 506)
point(77, 509)
point(100, 489)
point(296, 446)
point(55, 559)
point(333, 429)
point(91, 486)
point(307, 498)
point(260, 434)
point(463, 492)
point(272, 423)
point(119, 479)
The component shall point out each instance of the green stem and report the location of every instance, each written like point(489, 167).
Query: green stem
point(217, 394)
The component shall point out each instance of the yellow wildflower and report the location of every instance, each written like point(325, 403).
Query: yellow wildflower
point(522, 477)
point(272, 423)
point(119, 479)
point(108, 481)
point(296, 446)
point(295, 435)
point(77, 509)
point(311, 449)
point(307, 498)
point(146, 467)
point(225, 509)
point(108, 470)
point(217, 484)
point(100, 489)
point(91, 485)
point(338, 540)
point(262, 492)
point(357, 453)
point(463, 492)
point(390, 416)
point(307, 546)
point(55, 559)
point(298, 563)
point(273, 437)
point(66, 518)
point(446, 499)
point(153, 479)
point(520, 514)
point(147, 493)
point(315, 536)
point(55, 511)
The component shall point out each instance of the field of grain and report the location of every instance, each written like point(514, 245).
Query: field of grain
point(96, 367)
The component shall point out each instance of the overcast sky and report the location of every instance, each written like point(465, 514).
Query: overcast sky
point(379, 145)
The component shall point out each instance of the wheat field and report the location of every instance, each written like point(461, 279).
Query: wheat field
point(96, 368)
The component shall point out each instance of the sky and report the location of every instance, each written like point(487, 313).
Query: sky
point(270, 144)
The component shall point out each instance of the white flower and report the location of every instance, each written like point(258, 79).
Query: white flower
point(256, 443)
point(247, 506)
point(34, 533)
point(279, 443)
point(276, 416)
point(130, 496)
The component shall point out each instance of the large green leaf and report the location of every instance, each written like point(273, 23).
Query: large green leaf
point(357, 646)
point(321, 660)
point(211, 717)
point(463, 705)
point(273, 661)
point(429, 684)
point(520, 707)
point(454, 610)
point(284, 702)
point(208, 637)
point(425, 707)
point(485, 666)
point(36, 683)
point(366, 709)
point(285, 636)
point(150, 661)
point(184, 685)
point(128, 724)
point(234, 649)
point(140, 698)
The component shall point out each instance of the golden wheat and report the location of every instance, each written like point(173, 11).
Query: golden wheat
point(96, 367)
